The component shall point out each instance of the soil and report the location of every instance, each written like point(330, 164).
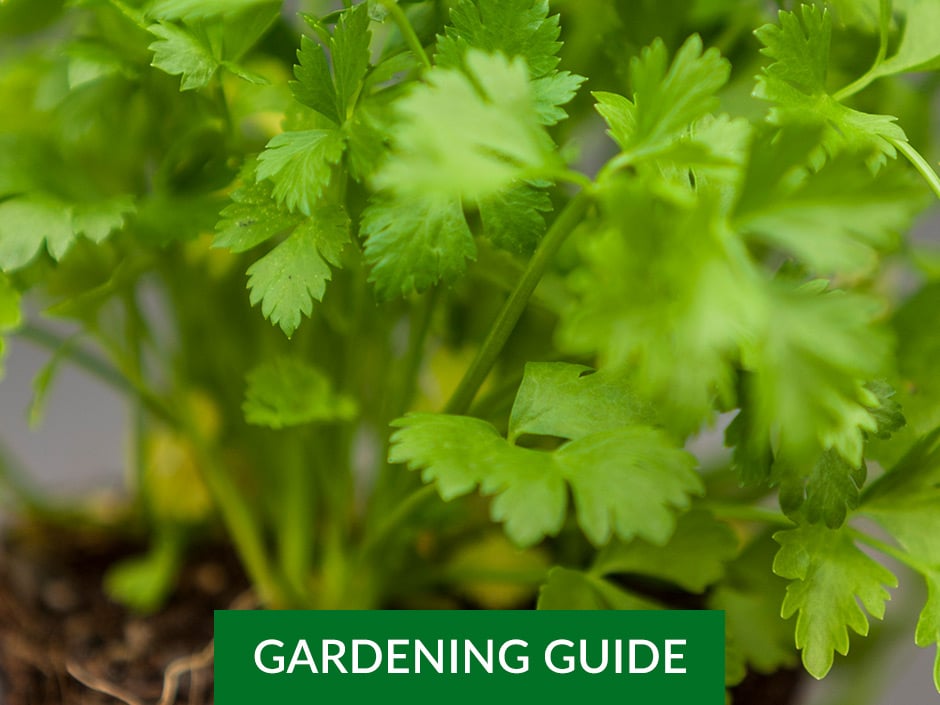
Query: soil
point(62, 641)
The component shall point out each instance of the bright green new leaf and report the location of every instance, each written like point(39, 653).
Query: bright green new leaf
point(30, 222)
point(625, 483)
point(185, 52)
point(832, 581)
point(513, 218)
point(694, 558)
point(333, 93)
point(667, 98)
point(287, 279)
point(837, 220)
point(808, 373)
point(796, 83)
point(413, 243)
point(300, 164)
point(666, 291)
point(288, 392)
point(572, 401)
point(568, 589)
point(467, 135)
point(515, 28)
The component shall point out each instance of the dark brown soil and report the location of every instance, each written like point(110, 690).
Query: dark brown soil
point(62, 641)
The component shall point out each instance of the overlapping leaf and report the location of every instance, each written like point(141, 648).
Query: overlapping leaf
point(626, 483)
point(667, 98)
point(838, 219)
point(333, 93)
point(28, 224)
point(663, 283)
point(796, 82)
point(515, 28)
point(413, 243)
point(288, 392)
point(832, 581)
point(300, 164)
point(287, 279)
point(467, 134)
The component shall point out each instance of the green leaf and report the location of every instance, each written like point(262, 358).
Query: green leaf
point(837, 220)
point(514, 28)
point(667, 98)
point(186, 52)
point(288, 392)
point(300, 164)
point(888, 415)
point(287, 280)
point(796, 83)
point(200, 9)
point(694, 558)
point(626, 482)
point(253, 217)
point(809, 370)
point(571, 401)
point(928, 625)
point(826, 493)
point(28, 223)
point(665, 291)
point(832, 581)
point(906, 502)
point(333, 93)
point(750, 596)
point(512, 218)
point(752, 458)
point(568, 589)
point(467, 135)
point(413, 243)
point(919, 49)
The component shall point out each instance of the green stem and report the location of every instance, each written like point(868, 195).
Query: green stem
point(889, 550)
point(241, 523)
point(744, 512)
point(422, 316)
point(99, 369)
point(921, 164)
point(402, 512)
point(514, 307)
point(863, 81)
point(407, 31)
point(295, 545)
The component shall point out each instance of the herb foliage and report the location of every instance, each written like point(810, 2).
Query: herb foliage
point(443, 281)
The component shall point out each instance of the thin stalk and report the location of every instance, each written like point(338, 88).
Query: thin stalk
point(407, 31)
point(921, 164)
point(884, 26)
point(403, 511)
point(295, 547)
point(100, 369)
point(744, 512)
point(514, 307)
point(133, 336)
point(241, 523)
